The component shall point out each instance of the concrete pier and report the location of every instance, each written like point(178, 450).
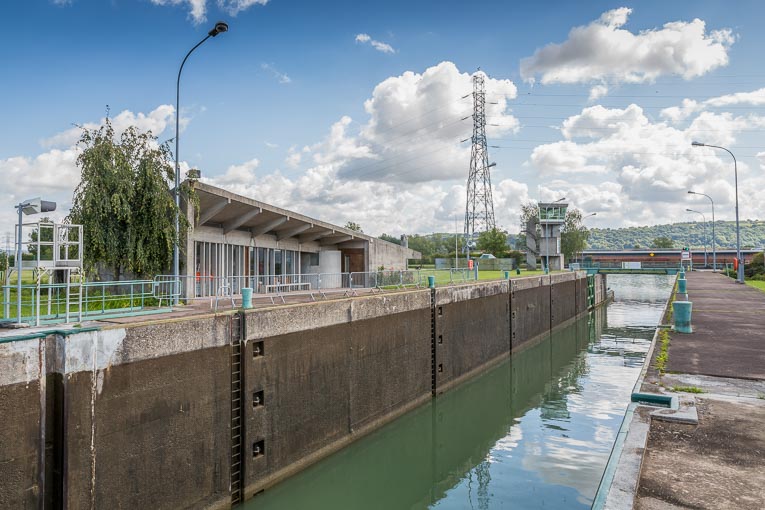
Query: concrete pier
point(203, 410)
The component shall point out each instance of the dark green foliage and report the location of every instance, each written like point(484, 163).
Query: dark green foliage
point(352, 225)
point(755, 270)
point(124, 201)
point(390, 239)
point(519, 256)
point(493, 241)
point(683, 234)
point(663, 243)
point(573, 235)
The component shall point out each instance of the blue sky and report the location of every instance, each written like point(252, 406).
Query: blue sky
point(328, 108)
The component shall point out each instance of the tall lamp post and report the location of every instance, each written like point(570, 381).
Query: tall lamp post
point(714, 242)
point(706, 239)
point(740, 275)
point(219, 28)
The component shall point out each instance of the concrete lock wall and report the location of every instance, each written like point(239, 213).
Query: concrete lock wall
point(143, 415)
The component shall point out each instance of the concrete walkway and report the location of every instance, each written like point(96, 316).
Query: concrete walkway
point(728, 338)
point(718, 463)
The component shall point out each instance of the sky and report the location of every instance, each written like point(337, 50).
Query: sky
point(361, 111)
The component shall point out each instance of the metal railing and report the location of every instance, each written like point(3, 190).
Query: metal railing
point(75, 301)
point(167, 287)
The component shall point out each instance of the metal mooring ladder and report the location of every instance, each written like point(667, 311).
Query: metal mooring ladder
point(237, 435)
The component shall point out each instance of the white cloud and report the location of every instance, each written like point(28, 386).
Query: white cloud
point(604, 51)
point(379, 46)
point(234, 7)
point(270, 145)
point(54, 174)
point(689, 106)
point(403, 170)
point(416, 122)
point(156, 121)
point(198, 8)
point(280, 76)
point(294, 158)
point(633, 171)
point(597, 92)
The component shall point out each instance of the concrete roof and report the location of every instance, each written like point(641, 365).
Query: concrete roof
point(230, 211)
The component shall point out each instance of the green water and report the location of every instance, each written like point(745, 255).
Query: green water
point(534, 432)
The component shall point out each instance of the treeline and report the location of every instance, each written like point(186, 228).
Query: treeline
point(682, 234)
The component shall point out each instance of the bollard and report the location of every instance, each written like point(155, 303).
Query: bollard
point(507, 275)
point(682, 312)
point(682, 286)
point(246, 297)
point(431, 282)
point(475, 269)
point(517, 270)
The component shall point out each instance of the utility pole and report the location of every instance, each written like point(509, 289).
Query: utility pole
point(479, 208)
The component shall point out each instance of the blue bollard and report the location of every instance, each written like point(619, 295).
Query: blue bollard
point(246, 297)
point(682, 286)
point(431, 282)
point(682, 312)
point(507, 275)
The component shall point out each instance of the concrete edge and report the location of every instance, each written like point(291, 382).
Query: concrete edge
point(619, 484)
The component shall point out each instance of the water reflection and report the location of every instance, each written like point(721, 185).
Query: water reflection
point(535, 432)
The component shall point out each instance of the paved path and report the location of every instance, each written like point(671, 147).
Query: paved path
point(728, 338)
point(720, 462)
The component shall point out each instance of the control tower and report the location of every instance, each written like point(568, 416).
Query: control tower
point(552, 215)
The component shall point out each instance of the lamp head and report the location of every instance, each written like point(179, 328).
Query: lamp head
point(219, 28)
point(691, 192)
point(697, 144)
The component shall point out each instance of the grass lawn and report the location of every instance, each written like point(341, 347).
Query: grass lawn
point(756, 284)
point(445, 277)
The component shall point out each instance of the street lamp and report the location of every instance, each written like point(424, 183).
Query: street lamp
point(32, 206)
point(706, 239)
point(219, 28)
point(740, 276)
point(714, 240)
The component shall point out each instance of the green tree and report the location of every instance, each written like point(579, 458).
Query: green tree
point(390, 238)
point(424, 245)
point(663, 242)
point(573, 234)
point(352, 225)
point(493, 241)
point(124, 201)
point(528, 210)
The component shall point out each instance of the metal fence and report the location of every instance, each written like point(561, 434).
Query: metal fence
point(46, 303)
point(167, 287)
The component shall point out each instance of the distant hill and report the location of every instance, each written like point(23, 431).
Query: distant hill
point(683, 234)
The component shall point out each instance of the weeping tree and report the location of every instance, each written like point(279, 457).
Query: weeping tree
point(125, 203)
